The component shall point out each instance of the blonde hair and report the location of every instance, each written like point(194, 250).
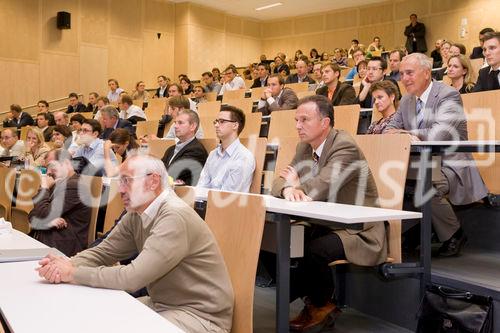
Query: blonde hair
point(38, 134)
point(465, 62)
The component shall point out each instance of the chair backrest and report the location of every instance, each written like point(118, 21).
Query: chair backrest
point(391, 165)
point(257, 93)
point(27, 187)
point(156, 108)
point(248, 83)
point(253, 122)
point(298, 87)
point(286, 151)
point(476, 66)
point(258, 147)
point(302, 94)
point(208, 127)
point(7, 181)
point(138, 102)
point(402, 88)
point(238, 231)
point(88, 115)
point(157, 148)
point(233, 94)
point(211, 96)
point(209, 143)
point(92, 187)
point(245, 104)
point(282, 125)
point(146, 127)
point(186, 193)
point(114, 206)
point(347, 118)
point(24, 133)
point(209, 109)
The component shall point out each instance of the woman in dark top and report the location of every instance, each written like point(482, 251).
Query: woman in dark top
point(61, 137)
point(385, 100)
point(187, 86)
point(122, 143)
point(314, 55)
point(460, 73)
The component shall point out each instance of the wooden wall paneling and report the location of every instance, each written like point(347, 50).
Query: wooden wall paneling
point(159, 16)
point(207, 48)
point(158, 56)
point(54, 39)
point(93, 70)
point(126, 18)
point(384, 31)
point(207, 17)
point(341, 19)
point(252, 28)
point(94, 20)
point(19, 84)
point(234, 50)
point(404, 9)
point(59, 75)
point(125, 61)
point(375, 14)
point(309, 24)
point(277, 28)
point(234, 24)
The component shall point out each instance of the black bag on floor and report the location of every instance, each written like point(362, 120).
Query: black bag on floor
point(446, 310)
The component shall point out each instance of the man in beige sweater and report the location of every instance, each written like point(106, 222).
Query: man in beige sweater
point(179, 261)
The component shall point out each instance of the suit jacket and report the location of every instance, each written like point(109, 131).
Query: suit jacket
point(484, 82)
point(187, 163)
point(344, 94)
point(444, 120)
point(47, 133)
point(287, 101)
point(79, 108)
point(257, 84)
point(282, 67)
point(419, 32)
point(477, 52)
point(294, 78)
point(342, 169)
point(165, 93)
point(91, 108)
point(122, 123)
point(24, 120)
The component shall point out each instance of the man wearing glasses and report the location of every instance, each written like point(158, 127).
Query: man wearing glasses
point(232, 81)
point(179, 261)
point(375, 73)
point(230, 166)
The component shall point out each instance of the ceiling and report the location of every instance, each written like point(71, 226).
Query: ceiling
point(289, 8)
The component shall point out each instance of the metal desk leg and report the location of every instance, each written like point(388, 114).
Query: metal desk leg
point(283, 274)
point(422, 190)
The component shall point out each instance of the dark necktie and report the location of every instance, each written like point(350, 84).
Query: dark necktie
point(493, 78)
point(315, 168)
point(420, 113)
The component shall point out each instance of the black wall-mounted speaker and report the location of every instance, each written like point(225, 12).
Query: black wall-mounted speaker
point(63, 20)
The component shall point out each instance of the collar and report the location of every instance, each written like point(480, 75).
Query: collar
point(229, 150)
point(491, 68)
point(319, 150)
point(425, 94)
point(181, 145)
point(152, 210)
point(279, 95)
point(94, 143)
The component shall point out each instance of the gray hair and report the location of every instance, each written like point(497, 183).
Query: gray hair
point(110, 111)
point(421, 59)
point(144, 164)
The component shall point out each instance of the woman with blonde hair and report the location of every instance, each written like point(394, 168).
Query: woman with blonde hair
point(460, 73)
point(385, 99)
point(35, 148)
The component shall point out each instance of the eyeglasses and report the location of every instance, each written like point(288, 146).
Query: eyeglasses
point(127, 180)
point(84, 130)
point(222, 121)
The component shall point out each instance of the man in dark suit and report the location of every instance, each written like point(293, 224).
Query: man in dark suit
point(317, 172)
point(415, 36)
point(489, 77)
point(338, 93)
point(92, 106)
point(112, 121)
point(18, 118)
point(375, 73)
point(75, 105)
point(477, 52)
point(163, 83)
point(432, 111)
point(42, 122)
point(280, 67)
point(185, 160)
point(301, 75)
point(276, 96)
point(261, 81)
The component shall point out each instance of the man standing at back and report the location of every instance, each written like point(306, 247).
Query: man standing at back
point(276, 96)
point(432, 111)
point(489, 77)
point(231, 165)
point(415, 36)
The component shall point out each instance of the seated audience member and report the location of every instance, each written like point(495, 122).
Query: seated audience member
point(186, 85)
point(276, 96)
point(176, 90)
point(162, 90)
point(62, 137)
point(43, 105)
point(114, 91)
point(316, 74)
point(42, 122)
point(102, 101)
point(231, 165)
point(437, 60)
point(314, 55)
point(121, 143)
point(186, 158)
point(18, 118)
point(280, 67)
point(261, 81)
point(395, 58)
point(456, 49)
point(358, 56)
point(324, 57)
point(477, 52)
point(75, 105)
point(35, 148)
point(90, 146)
point(198, 95)
point(375, 73)
point(375, 46)
point(178, 258)
point(76, 122)
point(129, 111)
point(460, 73)
point(59, 217)
point(361, 69)
point(140, 92)
point(353, 48)
point(338, 58)
point(489, 77)
point(310, 176)
point(301, 75)
point(445, 56)
point(298, 54)
point(385, 100)
point(216, 74)
point(174, 106)
point(61, 118)
point(338, 93)
point(232, 81)
point(92, 105)
point(10, 144)
point(433, 111)
point(210, 84)
point(112, 121)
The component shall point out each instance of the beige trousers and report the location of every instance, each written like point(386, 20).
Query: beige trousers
point(444, 220)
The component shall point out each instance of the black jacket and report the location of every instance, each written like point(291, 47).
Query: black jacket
point(187, 163)
point(122, 123)
point(79, 108)
point(24, 120)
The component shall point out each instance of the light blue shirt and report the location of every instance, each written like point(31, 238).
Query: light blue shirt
point(229, 170)
point(352, 72)
point(95, 153)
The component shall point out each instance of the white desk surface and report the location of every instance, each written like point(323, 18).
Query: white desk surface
point(30, 304)
point(462, 143)
point(348, 214)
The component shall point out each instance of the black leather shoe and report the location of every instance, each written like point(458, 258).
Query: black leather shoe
point(453, 246)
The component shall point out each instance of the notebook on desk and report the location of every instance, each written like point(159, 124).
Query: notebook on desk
point(16, 255)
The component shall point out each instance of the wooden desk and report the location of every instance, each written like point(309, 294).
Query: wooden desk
point(30, 304)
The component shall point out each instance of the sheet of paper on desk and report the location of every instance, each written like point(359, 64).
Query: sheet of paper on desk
point(16, 255)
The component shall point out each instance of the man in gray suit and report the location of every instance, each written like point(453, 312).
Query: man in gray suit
point(433, 111)
point(276, 96)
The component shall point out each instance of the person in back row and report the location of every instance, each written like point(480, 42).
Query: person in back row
point(231, 165)
point(18, 118)
point(338, 93)
point(74, 104)
point(231, 80)
point(129, 111)
point(111, 121)
point(276, 96)
point(301, 75)
point(375, 73)
point(489, 77)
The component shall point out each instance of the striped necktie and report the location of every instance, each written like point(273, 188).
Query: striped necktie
point(315, 167)
point(420, 113)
